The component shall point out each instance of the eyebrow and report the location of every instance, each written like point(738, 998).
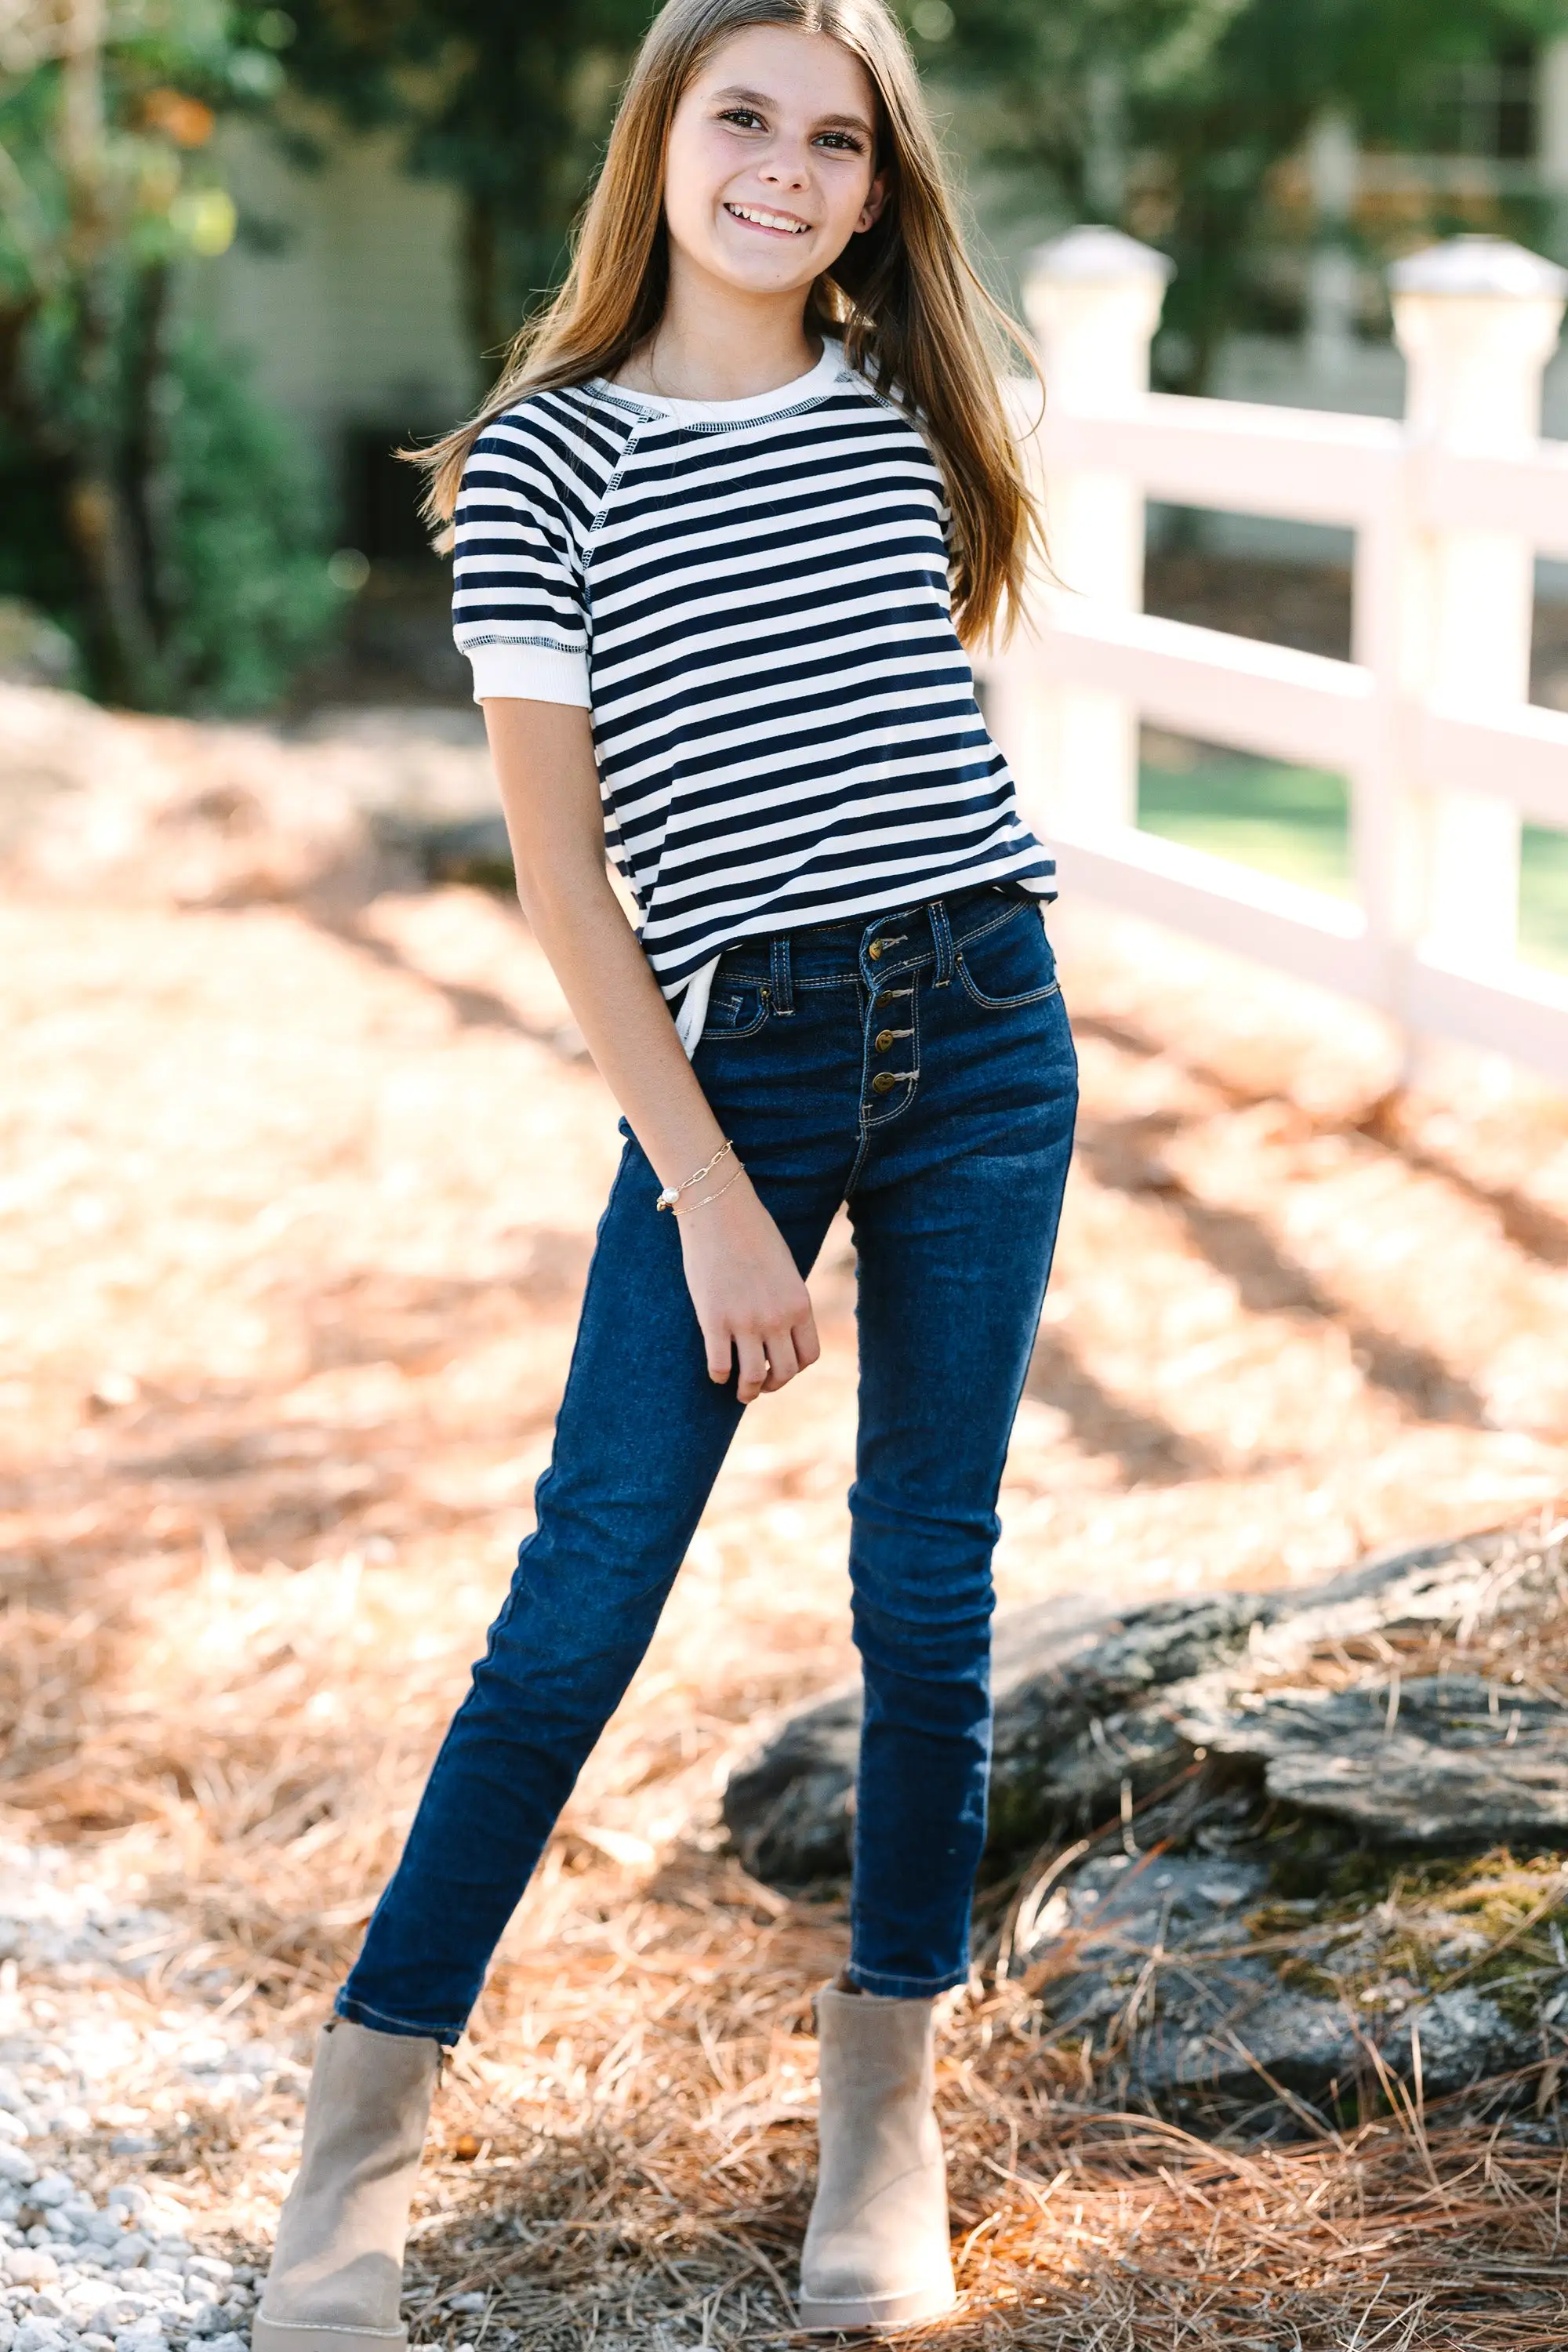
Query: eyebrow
point(761, 98)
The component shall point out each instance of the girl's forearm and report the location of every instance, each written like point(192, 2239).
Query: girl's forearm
point(548, 781)
point(624, 1021)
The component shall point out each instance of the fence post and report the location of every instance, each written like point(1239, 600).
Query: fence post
point(1093, 300)
point(1333, 276)
point(1477, 320)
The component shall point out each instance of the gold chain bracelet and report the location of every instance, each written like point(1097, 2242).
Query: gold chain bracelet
point(707, 1200)
point(672, 1192)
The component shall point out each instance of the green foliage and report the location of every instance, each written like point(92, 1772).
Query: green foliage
point(247, 589)
point(161, 84)
point(145, 499)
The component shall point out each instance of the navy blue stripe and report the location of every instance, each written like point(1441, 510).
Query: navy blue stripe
point(801, 718)
point(660, 574)
point(691, 718)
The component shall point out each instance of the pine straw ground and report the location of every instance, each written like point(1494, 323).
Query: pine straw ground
point(299, 1191)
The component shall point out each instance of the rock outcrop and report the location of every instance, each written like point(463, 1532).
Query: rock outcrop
point(1266, 1876)
point(1442, 1761)
point(1090, 1703)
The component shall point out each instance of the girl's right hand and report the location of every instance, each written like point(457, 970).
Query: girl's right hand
point(751, 1302)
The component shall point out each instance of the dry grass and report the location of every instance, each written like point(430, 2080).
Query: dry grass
point(297, 1196)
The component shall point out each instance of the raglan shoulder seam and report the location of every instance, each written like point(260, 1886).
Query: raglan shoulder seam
point(637, 424)
point(565, 430)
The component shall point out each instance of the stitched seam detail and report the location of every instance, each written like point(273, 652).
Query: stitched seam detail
point(736, 1036)
point(604, 506)
point(1004, 1003)
point(764, 980)
point(716, 425)
point(612, 395)
point(410, 2032)
point(589, 544)
point(871, 1977)
point(550, 645)
point(1009, 914)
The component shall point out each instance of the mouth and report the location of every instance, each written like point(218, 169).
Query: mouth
point(773, 224)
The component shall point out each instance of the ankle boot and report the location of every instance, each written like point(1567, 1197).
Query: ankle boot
point(336, 2279)
point(876, 2254)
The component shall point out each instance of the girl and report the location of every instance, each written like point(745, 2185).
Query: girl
point(719, 531)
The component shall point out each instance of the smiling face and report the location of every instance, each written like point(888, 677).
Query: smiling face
point(771, 166)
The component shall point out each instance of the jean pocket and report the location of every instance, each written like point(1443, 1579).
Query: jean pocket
point(737, 1010)
point(1010, 965)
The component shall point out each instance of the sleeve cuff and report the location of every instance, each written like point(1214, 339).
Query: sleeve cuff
point(529, 674)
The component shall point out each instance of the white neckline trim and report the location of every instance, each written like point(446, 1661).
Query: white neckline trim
point(810, 386)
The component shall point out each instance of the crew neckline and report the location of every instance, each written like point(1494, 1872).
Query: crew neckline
point(815, 380)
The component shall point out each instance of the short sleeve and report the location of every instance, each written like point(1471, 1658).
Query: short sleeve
point(518, 607)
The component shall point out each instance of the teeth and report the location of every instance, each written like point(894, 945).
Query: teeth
point(767, 220)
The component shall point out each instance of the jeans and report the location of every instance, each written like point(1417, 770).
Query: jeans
point(920, 1069)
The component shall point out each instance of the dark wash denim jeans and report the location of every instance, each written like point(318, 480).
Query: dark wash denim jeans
point(921, 1068)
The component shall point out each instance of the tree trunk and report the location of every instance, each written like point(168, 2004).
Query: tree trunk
point(101, 521)
point(488, 329)
point(16, 405)
point(148, 486)
point(100, 526)
point(98, 515)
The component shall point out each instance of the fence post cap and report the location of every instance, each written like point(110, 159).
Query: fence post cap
point(1098, 257)
point(1479, 266)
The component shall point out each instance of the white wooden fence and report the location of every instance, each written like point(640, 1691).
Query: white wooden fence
point(1429, 720)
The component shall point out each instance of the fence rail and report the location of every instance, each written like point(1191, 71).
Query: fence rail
point(1429, 720)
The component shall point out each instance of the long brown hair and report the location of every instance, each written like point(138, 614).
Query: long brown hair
point(903, 295)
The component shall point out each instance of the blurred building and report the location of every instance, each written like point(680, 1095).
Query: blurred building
point(1494, 158)
point(344, 286)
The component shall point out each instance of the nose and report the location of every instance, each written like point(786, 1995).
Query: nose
point(785, 168)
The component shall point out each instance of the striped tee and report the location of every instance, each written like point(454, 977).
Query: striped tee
point(750, 598)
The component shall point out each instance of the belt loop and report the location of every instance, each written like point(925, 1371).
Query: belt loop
point(781, 984)
point(941, 933)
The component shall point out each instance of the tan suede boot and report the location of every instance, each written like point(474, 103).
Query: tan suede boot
point(876, 2254)
point(336, 2279)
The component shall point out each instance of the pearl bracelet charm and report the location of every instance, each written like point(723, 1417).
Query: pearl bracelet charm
point(670, 1195)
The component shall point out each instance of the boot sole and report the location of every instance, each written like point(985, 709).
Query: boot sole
point(286, 2335)
point(877, 2314)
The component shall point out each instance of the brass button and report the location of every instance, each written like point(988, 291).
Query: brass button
point(884, 1039)
point(883, 1083)
point(875, 950)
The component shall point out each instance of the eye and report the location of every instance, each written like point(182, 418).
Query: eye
point(846, 140)
point(744, 118)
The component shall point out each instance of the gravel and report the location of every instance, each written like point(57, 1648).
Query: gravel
point(87, 2260)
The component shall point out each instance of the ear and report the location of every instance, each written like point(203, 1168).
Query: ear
point(875, 204)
